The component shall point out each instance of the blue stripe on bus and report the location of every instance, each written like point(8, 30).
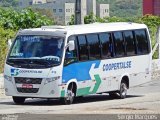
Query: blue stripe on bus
point(78, 71)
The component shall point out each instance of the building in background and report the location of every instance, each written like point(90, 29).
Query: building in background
point(102, 10)
point(39, 1)
point(62, 10)
point(91, 7)
point(25, 3)
point(151, 7)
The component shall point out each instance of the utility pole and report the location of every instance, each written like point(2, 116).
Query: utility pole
point(78, 12)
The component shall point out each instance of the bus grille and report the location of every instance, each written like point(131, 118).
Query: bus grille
point(27, 90)
point(21, 80)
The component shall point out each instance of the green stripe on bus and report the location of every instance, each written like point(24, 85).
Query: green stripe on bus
point(98, 82)
point(62, 93)
point(83, 91)
point(86, 90)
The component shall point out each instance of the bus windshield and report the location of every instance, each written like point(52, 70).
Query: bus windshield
point(37, 48)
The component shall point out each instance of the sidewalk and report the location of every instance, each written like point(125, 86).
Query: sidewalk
point(1, 86)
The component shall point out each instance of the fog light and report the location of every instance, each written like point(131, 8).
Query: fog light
point(9, 78)
point(6, 89)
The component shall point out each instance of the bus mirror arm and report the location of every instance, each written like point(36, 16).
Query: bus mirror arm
point(9, 43)
point(71, 45)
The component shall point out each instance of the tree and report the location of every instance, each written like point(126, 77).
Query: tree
point(72, 20)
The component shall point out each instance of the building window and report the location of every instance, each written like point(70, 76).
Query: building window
point(106, 10)
point(30, 3)
point(60, 10)
point(54, 10)
point(68, 10)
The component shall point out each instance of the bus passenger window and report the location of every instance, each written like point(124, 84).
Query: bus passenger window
point(106, 45)
point(130, 43)
point(82, 47)
point(94, 47)
point(118, 44)
point(142, 42)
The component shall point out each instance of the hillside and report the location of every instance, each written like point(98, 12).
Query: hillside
point(9, 3)
point(120, 8)
point(124, 8)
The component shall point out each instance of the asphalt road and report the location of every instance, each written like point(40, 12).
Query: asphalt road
point(143, 99)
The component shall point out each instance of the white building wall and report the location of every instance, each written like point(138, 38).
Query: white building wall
point(83, 10)
point(102, 10)
point(69, 11)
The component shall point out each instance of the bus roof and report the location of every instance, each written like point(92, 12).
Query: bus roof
point(86, 28)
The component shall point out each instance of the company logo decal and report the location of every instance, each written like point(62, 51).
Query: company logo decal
point(117, 66)
point(15, 72)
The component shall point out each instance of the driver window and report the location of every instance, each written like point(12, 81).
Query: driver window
point(71, 56)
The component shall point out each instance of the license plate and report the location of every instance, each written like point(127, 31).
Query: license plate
point(29, 86)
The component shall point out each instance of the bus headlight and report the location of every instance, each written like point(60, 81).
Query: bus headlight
point(9, 78)
point(48, 80)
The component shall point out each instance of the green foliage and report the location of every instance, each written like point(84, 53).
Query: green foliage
point(4, 36)
point(124, 8)
point(11, 19)
point(72, 20)
point(91, 18)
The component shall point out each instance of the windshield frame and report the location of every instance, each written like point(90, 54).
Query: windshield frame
point(15, 39)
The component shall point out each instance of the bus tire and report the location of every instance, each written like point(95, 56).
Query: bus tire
point(71, 93)
point(123, 90)
point(122, 93)
point(18, 100)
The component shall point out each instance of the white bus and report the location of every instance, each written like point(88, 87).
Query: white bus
point(71, 61)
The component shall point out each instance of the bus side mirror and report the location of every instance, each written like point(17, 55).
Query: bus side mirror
point(71, 45)
point(9, 43)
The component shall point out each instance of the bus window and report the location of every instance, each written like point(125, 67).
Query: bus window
point(142, 42)
point(118, 44)
point(82, 47)
point(130, 43)
point(71, 56)
point(107, 47)
point(94, 48)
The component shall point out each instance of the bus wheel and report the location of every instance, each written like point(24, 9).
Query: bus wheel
point(122, 93)
point(71, 92)
point(123, 90)
point(69, 97)
point(18, 100)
